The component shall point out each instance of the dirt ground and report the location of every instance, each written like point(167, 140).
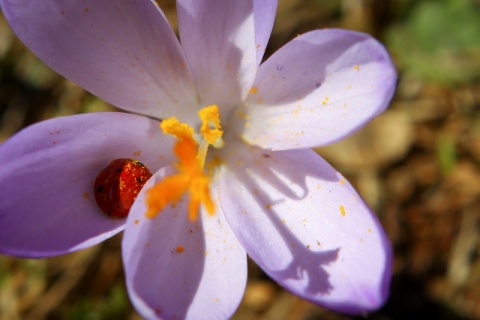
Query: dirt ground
point(417, 165)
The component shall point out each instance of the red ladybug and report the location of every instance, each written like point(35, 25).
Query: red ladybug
point(118, 185)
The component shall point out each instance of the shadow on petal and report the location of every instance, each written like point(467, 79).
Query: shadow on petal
point(219, 42)
point(164, 258)
point(255, 166)
point(286, 209)
point(309, 270)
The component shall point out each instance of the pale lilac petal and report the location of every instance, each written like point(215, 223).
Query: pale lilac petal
point(123, 51)
point(48, 172)
point(317, 89)
point(219, 39)
point(307, 228)
point(181, 269)
point(264, 17)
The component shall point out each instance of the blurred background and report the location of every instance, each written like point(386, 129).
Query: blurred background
point(417, 165)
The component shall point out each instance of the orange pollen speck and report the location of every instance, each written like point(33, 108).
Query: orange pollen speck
point(180, 249)
point(191, 156)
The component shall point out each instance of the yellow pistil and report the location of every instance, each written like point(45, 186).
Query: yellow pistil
point(190, 176)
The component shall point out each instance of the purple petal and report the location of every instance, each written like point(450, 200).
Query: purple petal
point(219, 38)
point(317, 89)
point(264, 17)
point(123, 51)
point(307, 228)
point(178, 269)
point(48, 171)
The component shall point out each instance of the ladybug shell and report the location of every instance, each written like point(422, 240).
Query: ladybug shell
point(118, 185)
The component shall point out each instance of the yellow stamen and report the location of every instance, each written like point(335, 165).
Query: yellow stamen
point(210, 117)
point(176, 128)
point(190, 176)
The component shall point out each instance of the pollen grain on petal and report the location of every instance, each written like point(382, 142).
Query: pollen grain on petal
point(342, 211)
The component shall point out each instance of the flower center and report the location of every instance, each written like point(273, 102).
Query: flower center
point(191, 154)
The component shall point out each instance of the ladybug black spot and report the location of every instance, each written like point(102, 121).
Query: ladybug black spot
point(139, 180)
point(100, 189)
point(118, 169)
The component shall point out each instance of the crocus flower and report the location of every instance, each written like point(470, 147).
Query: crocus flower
point(256, 187)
